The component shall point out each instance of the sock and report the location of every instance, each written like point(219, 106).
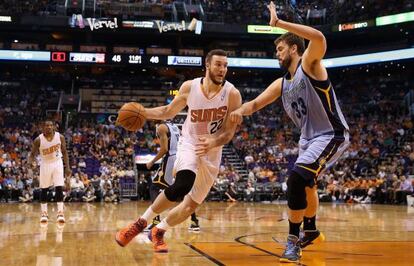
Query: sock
point(194, 217)
point(149, 214)
point(294, 229)
point(60, 206)
point(43, 206)
point(156, 220)
point(163, 225)
point(309, 223)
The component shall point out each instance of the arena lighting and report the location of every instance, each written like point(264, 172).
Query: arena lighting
point(394, 19)
point(329, 62)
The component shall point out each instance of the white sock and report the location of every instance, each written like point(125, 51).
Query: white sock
point(43, 206)
point(149, 214)
point(163, 225)
point(60, 206)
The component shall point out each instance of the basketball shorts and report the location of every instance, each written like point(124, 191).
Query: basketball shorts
point(318, 154)
point(51, 174)
point(205, 167)
point(164, 176)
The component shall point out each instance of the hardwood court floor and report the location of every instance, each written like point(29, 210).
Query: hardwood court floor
point(231, 234)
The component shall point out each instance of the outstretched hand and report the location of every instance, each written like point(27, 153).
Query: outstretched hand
point(273, 15)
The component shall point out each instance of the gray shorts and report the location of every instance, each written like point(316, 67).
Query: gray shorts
point(319, 154)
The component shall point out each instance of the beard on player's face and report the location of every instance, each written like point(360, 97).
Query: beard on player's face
point(286, 62)
point(216, 79)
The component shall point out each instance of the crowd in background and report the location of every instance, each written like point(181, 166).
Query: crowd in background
point(315, 12)
point(377, 167)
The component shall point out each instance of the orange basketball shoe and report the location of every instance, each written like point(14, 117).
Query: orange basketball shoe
point(125, 235)
point(157, 238)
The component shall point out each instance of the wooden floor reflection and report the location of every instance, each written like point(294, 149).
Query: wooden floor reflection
point(232, 234)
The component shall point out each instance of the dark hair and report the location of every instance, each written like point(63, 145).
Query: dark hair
point(218, 52)
point(291, 39)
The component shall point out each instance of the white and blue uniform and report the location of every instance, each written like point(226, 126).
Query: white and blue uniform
point(164, 175)
point(313, 107)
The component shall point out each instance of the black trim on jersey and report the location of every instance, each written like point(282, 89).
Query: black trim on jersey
point(287, 76)
point(323, 84)
point(330, 150)
point(337, 125)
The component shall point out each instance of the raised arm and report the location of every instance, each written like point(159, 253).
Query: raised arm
point(228, 131)
point(162, 133)
point(34, 152)
point(68, 172)
point(313, 55)
point(271, 94)
point(171, 110)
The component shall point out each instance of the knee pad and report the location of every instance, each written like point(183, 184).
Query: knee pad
point(59, 194)
point(184, 181)
point(296, 193)
point(43, 195)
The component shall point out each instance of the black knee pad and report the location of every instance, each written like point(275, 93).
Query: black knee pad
point(43, 195)
point(59, 194)
point(296, 193)
point(184, 181)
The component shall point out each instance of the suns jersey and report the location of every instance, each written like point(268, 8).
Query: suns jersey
point(50, 151)
point(205, 117)
point(173, 137)
point(312, 105)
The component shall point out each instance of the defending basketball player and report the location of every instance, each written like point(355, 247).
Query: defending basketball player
point(206, 129)
point(309, 100)
point(51, 146)
point(168, 134)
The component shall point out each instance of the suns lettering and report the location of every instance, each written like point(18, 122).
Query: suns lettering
point(208, 115)
point(51, 149)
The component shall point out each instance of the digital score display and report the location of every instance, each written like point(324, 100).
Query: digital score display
point(98, 58)
point(135, 59)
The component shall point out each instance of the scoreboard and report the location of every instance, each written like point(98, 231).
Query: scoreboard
point(142, 60)
point(60, 57)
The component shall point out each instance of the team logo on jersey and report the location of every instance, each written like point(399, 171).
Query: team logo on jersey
point(51, 149)
point(208, 115)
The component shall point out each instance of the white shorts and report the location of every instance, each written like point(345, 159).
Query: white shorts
point(51, 174)
point(206, 168)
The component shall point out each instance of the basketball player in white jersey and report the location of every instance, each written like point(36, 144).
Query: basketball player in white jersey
point(310, 101)
point(51, 146)
point(207, 128)
point(168, 134)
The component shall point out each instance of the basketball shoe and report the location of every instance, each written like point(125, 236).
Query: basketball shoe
point(44, 218)
point(194, 226)
point(60, 218)
point(292, 252)
point(311, 237)
point(125, 235)
point(157, 238)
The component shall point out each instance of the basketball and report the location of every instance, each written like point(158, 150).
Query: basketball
point(131, 117)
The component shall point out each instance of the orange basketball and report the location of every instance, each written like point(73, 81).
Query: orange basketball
point(131, 117)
